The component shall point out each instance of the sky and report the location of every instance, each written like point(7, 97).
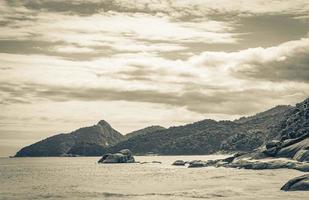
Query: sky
point(69, 64)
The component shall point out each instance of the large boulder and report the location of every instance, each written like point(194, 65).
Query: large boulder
point(298, 183)
point(298, 151)
point(123, 156)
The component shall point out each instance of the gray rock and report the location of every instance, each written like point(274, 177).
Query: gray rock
point(273, 143)
point(298, 183)
point(298, 150)
point(302, 155)
point(259, 165)
point(197, 163)
point(153, 162)
point(179, 163)
point(123, 156)
point(271, 151)
point(126, 152)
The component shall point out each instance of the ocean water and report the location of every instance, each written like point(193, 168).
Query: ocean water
point(82, 178)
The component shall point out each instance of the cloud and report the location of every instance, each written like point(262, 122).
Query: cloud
point(217, 101)
point(72, 49)
point(175, 8)
point(232, 83)
point(104, 30)
point(285, 62)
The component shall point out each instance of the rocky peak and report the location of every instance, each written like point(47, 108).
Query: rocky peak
point(103, 123)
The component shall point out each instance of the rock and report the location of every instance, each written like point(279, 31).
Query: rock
point(304, 167)
point(297, 150)
point(155, 162)
point(271, 151)
point(273, 143)
point(197, 163)
point(123, 156)
point(278, 164)
point(126, 152)
point(302, 155)
point(179, 163)
point(229, 159)
point(298, 183)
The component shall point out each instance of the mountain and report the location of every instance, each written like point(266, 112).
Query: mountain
point(84, 141)
point(286, 124)
point(147, 130)
point(209, 136)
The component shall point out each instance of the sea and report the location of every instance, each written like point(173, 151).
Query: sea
point(82, 178)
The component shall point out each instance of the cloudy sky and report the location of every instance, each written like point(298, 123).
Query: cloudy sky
point(68, 64)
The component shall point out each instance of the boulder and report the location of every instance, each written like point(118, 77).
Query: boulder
point(179, 163)
point(302, 155)
point(197, 163)
point(232, 158)
point(304, 167)
point(298, 183)
point(296, 150)
point(273, 143)
point(123, 156)
point(126, 152)
point(272, 152)
point(228, 159)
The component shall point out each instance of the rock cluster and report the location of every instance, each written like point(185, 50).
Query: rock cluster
point(123, 156)
point(296, 148)
point(240, 161)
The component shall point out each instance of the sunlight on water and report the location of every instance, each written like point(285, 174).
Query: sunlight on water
point(83, 178)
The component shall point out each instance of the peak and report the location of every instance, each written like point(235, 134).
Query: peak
point(103, 123)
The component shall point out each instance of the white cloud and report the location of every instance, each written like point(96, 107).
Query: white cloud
point(116, 30)
point(72, 49)
point(181, 8)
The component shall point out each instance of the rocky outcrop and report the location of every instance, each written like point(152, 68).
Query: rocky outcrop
point(300, 183)
point(259, 165)
point(123, 156)
point(296, 148)
point(88, 141)
point(293, 140)
point(241, 162)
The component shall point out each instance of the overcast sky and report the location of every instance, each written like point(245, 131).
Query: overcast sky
point(64, 65)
